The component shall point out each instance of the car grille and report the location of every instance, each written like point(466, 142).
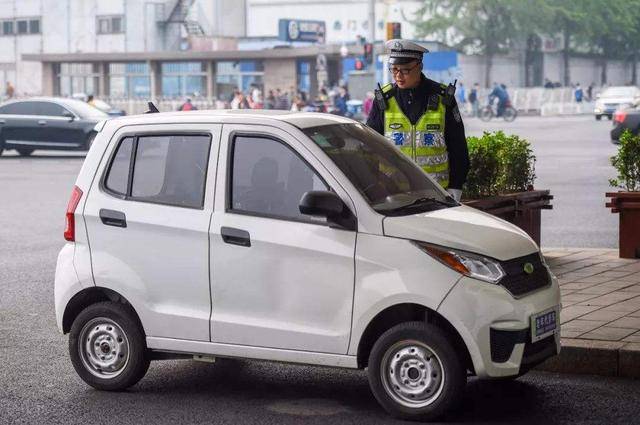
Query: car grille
point(518, 282)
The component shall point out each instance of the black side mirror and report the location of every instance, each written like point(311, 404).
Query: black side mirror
point(327, 204)
point(69, 115)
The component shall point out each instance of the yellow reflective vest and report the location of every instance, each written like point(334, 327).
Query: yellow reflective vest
point(423, 142)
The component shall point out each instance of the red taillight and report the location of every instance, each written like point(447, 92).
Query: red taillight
point(619, 116)
point(70, 222)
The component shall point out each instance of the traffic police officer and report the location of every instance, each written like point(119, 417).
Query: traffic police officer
point(421, 117)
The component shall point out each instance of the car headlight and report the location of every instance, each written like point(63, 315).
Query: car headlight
point(466, 263)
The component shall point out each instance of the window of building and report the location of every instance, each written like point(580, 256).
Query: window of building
point(181, 79)
point(112, 24)
point(77, 78)
point(23, 27)
point(34, 26)
point(304, 76)
point(7, 27)
point(129, 80)
point(20, 26)
point(168, 169)
point(269, 179)
point(240, 74)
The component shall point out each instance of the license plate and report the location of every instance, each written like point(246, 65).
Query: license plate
point(544, 324)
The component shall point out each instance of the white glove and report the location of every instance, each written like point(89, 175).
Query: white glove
point(455, 194)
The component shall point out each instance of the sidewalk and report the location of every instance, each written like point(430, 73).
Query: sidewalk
point(601, 312)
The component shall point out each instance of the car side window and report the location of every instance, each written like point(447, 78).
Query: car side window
point(168, 169)
point(268, 179)
point(50, 109)
point(118, 176)
point(18, 108)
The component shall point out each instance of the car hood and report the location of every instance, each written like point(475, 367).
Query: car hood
point(463, 228)
point(616, 100)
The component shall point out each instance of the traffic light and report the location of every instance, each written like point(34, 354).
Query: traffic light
point(368, 53)
point(359, 65)
point(394, 30)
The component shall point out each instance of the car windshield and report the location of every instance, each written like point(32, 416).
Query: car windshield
point(619, 92)
point(388, 180)
point(86, 111)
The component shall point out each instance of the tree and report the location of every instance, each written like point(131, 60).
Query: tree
point(477, 26)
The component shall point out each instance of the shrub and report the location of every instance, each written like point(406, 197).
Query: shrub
point(627, 163)
point(499, 164)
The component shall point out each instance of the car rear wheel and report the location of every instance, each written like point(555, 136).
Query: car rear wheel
point(25, 151)
point(415, 373)
point(598, 117)
point(107, 346)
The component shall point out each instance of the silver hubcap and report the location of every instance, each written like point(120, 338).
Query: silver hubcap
point(412, 374)
point(104, 348)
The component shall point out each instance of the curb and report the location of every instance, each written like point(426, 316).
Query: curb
point(592, 357)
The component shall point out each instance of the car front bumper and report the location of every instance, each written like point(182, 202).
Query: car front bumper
point(496, 328)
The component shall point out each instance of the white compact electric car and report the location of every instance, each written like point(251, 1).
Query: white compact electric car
point(292, 237)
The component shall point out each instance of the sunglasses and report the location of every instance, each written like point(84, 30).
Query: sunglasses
point(404, 71)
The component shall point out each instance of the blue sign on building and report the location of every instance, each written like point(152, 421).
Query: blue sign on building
point(442, 66)
point(300, 30)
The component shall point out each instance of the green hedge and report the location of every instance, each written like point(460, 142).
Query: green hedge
point(499, 164)
point(627, 163)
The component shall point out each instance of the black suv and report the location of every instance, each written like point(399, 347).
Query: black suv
point(47, 123)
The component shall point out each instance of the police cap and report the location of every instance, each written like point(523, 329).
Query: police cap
point(404, 51)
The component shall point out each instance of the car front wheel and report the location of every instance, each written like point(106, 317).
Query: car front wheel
point(107, 346)
point(25, 151)
point(415, 373)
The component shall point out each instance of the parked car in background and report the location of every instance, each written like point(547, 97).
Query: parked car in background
point(48, 123)
point(625, 119)
point(614, 98)
point(100, 104)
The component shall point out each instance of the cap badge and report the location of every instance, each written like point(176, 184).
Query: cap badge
point(397, 45)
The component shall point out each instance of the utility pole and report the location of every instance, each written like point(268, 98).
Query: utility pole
point(372, 21)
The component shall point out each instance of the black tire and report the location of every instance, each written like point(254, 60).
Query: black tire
point(510, 114)
point(1, 146)
point(598, 117)
point(395, 345)
point(25, 151)
point(486, 113)
point(134, 363)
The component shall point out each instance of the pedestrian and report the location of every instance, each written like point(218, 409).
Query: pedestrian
point(90, 100)
point(187, 105)
point(422, 118)
point(578, 93)
point(461, 95)
point(240, 101)
point(473, 99)
point(270, 100)
point(341, 100)
point(367, 104)
point(590, 91)
point(256, 97)
point(548, 84)
point(9, 90)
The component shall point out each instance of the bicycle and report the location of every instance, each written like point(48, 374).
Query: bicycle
point(491, 110)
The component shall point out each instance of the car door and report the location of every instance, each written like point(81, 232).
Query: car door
point(279, 279)
point(58, 126)
point(19, 123)
point(147, 219)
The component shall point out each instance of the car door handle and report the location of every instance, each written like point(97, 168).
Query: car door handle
point(235, 236)
point(42, 122)
point(113, 218)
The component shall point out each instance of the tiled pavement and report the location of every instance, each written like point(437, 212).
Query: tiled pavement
point(600, 294)
point(601, 308)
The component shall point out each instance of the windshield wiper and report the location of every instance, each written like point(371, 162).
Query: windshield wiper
point(448, 202)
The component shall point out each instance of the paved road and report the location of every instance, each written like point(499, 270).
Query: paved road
point(573, 161)
point(38, 384)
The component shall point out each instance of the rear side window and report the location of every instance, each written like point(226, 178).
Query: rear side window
point(49, 109)
point(19, 108)
point(167, 169)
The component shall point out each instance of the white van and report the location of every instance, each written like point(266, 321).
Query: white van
point(292, 237)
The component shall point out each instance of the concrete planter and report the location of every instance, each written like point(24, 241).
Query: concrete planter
point(521, 209)
point(628, 205)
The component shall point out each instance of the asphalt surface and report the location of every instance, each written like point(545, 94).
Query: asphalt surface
point(573, 162)
point(39, 385)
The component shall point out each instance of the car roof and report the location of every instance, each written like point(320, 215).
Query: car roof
point(248, 116)
point(59, 100)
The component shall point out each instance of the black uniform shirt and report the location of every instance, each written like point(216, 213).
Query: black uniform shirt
point(413, 103)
